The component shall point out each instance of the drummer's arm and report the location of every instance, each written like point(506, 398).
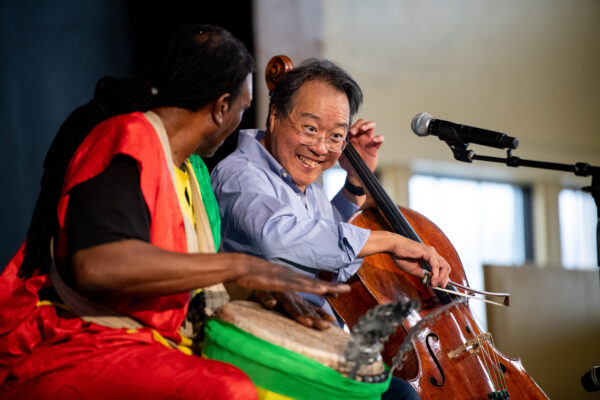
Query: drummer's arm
point(132, 268)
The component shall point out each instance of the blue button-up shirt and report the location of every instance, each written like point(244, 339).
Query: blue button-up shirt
point(265, 214)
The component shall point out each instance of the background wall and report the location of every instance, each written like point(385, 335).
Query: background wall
point(556, 334)
point(527, 68)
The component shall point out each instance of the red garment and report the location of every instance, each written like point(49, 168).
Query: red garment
point(46, 352)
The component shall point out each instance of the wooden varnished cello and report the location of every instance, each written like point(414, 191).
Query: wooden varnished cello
point(451, 357)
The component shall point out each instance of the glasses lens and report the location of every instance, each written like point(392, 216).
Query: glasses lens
point(336, 147)
point(333, 144)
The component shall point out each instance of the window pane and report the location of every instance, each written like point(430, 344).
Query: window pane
point(578, 216)
point(333, 180)
point(483, 220)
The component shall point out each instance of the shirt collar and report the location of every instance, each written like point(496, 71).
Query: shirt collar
point(249, 143)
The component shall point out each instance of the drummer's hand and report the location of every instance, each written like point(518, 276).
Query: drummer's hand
point(297, 308)
point(362, 136)
point(263, 275)
point(408, 254)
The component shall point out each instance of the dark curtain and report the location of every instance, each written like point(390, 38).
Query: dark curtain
point(52, 53)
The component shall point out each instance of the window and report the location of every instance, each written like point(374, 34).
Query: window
point(484, 221)
point(578, 218)
point(333, 180)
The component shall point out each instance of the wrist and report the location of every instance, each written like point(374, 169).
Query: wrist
point(240, 264)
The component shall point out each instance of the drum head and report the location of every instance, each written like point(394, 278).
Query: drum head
point(326, 347)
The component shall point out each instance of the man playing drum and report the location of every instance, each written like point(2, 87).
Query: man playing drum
point(92, 303)
point(270, 204)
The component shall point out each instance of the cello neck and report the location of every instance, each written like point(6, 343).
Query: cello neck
point(394, 216)
point(397, 221)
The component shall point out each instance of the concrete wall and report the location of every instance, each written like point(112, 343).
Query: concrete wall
point(526, 68)
point(553, 324)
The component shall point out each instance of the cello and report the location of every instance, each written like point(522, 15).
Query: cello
point(450, 356)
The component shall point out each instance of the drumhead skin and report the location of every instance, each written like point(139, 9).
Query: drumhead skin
point(285, 357)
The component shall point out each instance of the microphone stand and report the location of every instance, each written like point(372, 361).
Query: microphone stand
point(462, 153)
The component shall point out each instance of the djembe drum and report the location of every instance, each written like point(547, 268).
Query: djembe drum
point(287, 360)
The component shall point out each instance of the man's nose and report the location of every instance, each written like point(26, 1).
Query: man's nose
point(320, 147)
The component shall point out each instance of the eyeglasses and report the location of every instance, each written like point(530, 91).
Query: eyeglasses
point(336, 143)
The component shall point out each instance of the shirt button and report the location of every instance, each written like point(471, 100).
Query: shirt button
point(284, 174)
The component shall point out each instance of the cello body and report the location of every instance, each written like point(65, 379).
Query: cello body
point(451, 357)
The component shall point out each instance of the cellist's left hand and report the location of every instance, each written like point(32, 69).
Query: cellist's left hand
point(362, 136)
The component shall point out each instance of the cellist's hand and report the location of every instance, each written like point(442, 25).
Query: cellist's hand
point(408, 254)
point(362, 136)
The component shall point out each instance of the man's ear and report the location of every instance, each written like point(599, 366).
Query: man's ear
point(273, 114)
point(220, 107)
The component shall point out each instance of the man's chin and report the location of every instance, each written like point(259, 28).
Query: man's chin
point(207, 153)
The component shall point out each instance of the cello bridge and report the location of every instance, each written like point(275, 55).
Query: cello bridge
point(471, 345)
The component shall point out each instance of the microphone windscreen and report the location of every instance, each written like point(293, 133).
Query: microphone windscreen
point(420, 123)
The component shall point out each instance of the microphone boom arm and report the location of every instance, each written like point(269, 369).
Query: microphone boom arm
point(462, 153)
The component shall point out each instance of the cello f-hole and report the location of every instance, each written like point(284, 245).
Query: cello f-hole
point(433, 380)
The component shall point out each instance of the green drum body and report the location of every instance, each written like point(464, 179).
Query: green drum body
point(285, 359)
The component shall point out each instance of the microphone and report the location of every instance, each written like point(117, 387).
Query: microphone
point(424, 124)
point(591, 380)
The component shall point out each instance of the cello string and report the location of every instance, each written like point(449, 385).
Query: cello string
point(493, 370)
point(495, 360)
point(499, 381)
point(485, 359)
point(504, 384)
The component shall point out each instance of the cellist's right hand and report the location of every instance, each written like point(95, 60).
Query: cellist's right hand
point(408, 254)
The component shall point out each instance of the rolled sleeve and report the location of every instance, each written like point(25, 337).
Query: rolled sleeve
point(345, 207)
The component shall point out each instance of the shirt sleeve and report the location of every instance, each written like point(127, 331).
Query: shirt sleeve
point(344, 208)
point(108, 208)
point(255, 220)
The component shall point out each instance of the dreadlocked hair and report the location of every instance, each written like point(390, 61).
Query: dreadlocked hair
point(201, 63)
point(194, 67)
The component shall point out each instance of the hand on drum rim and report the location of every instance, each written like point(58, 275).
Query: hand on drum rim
point(295, 307)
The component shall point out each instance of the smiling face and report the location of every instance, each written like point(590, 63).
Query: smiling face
point(317, 107)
